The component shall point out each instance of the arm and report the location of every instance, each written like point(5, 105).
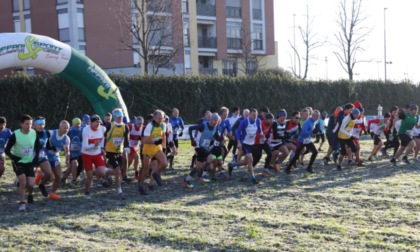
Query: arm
point(67, 151)
point(37, 148)
point(126, 133)
point(9, 145)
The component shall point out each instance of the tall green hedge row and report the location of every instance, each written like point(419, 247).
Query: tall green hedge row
point(193, 95)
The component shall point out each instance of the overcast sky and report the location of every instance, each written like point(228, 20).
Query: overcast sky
point(402, 38)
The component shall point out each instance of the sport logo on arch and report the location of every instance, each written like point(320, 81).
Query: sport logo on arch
point(32, 47)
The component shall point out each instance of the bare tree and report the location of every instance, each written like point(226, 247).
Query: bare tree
point(249, 61)
point(351, 35)
point(151, 33)
point(310, 42)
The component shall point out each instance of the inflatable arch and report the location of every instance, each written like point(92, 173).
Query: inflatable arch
point(31, 50)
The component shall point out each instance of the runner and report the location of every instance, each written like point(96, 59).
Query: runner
point(206, 132)
point(292, 130)
point(304, 142)
point(85, 121)
point(177, 125)
point(5, 134)
point(116, 142)
point(76, 161)
point(93, 152)
point(136, 129)
point(391, 133)
point(332, 138)
point(278, 140)
point(262, 143)
point(44, 175)
point(171, 150)
point(409, 120)
point(154, 142)
point(246, 133)
point(219, 149)
point(359, 127)
point(321, 133)
point(26, 146)
point(59, 142)
point(233, 117)
point(345, 136)
point(380, 126)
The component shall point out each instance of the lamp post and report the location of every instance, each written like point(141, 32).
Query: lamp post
point(326, 68)
point(379, 110)
point(385, 42)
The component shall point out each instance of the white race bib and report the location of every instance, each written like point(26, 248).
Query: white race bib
point(28, 150)
point(307, 140)
point(205, 143)
point(74, 147)
point(216, 143)
point(117, 141)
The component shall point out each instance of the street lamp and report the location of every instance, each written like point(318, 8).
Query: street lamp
point(385, 42)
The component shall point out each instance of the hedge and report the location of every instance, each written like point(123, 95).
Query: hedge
point(193, 95)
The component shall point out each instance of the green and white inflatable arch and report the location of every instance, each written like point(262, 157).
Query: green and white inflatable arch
point(30, 50)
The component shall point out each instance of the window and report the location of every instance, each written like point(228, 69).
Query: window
point(28, 25)
point(234, 35)
point(257, 37)
point(63, 25)
point(230, 67)
point(26, 5)
point(256, 10)
point(60, 2)
point(80, 25)
point(64, 34)
point(233, 9)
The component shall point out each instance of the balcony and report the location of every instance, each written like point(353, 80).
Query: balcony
point(256, 14)
point(163, 6)
point(230, 72)
point(207, 42)
point(233, 12)
point(257, 44)
point(234, 43)
point(206, 9)
point(208, 71)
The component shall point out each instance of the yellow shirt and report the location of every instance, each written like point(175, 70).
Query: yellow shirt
point(115, 139)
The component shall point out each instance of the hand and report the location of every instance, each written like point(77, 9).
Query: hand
point(193, 143)
point(157, 142)
point(15, 158)
point(127, 150)
point(180, 134)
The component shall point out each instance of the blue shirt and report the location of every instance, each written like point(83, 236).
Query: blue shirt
point(204, 136)
point(4, 136)
point(177, 123)
point(223, 126)
point(76, 138)
point(306, 131)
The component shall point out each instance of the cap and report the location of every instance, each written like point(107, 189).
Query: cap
point(357, 104)
point(95, 118)
point(214, 116)
point(76, 121)
point(117, 112)
point(85, 118)
point(355, 112)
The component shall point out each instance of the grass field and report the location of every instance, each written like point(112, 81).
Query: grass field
point(372, 208)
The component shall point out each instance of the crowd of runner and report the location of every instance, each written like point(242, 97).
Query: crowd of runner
point(103, 150)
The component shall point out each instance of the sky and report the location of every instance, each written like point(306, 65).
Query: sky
point(402, 38)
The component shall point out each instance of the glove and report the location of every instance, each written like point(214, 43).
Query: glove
point(366, 132)
point(371, 135)
point(180, 134)
point(127, 150)
point(352, 138)
point(193, 143)
point(157, 142)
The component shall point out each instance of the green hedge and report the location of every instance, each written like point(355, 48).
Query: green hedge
point(193, 95)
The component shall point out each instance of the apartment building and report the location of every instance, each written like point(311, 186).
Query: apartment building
point(229, 37)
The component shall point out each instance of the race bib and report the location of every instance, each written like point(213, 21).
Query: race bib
point(27, 151)
point(205, 143)
point(216, 143)
point(74, 147)
point(117, 140)
point(356, 132)
point(409, 132)
point(134, 143)
point(42, 154)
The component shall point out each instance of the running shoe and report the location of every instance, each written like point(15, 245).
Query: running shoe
point(157, 178)
point(22, 207)
point(326, 160)
point(87, 196)
point(309, 169)
point(360, 164)
point(104, 183)
point(142, 191)
point(127, 180)
point(339, 168)
point(266, 173)
point(350, 162)
point(383, 151)
point(63, 182)
point(254, 181)
point(121, 196)
point(405, 160)
point(151, 188)
point(393, 162)
point(287, 170)
point(230, 168)
point(221, 176)
point(38, 177)
point(187, 184)
point(203, 180)
point(54, 196)
point(43, 190)
point(302, 164)
point(335, 157)
point(30, 199)
point(276, 167)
